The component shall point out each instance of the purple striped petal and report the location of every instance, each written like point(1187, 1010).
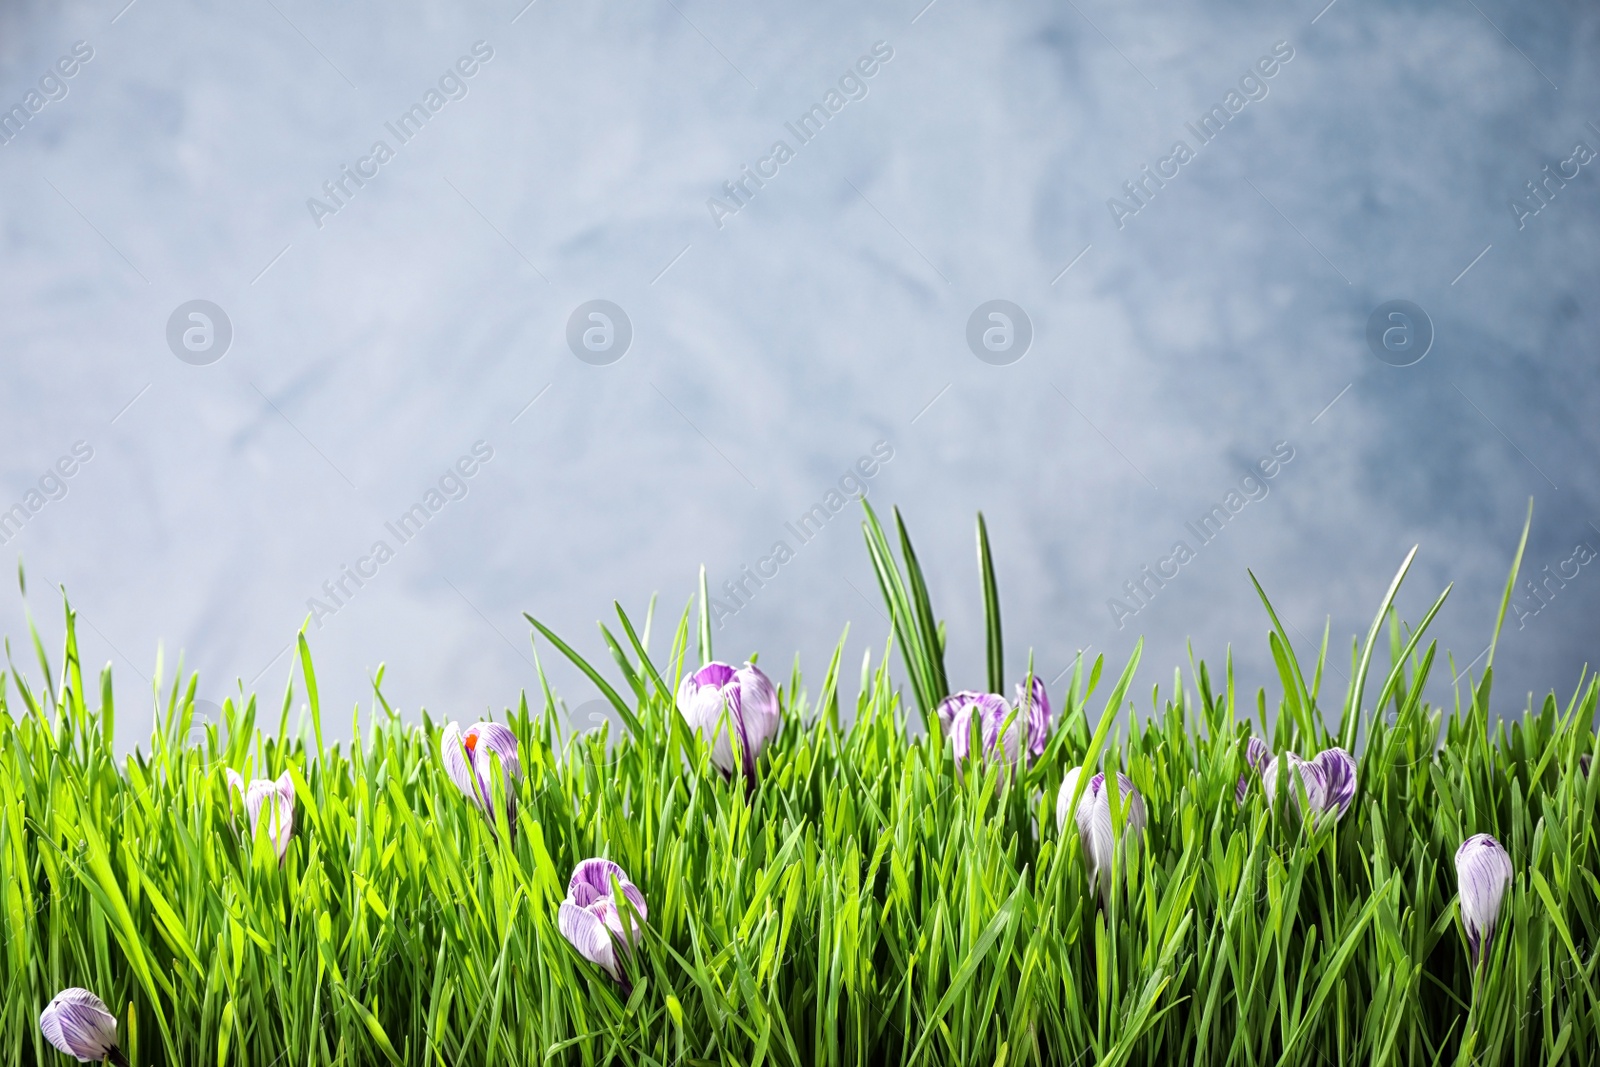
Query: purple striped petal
point(596, 875)
point(589, 935)
point(957, 711)
point(1483, 872)
point(77, 1023)
point(714, 674)
point(457, 760)
point(758, 703)
point(1035, 705)
point(469, 755)
point(1093, 816)
point(1256, 756)
point(1338, 769)
point(1311, 778)
point(489, 741)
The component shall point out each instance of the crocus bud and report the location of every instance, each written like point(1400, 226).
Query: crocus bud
point(590, 919)
point(1035, 710)
point(750, 702)
point(467, 754)
point(274, 797)
point(1093, 815)
point(956, 714)
point(1483, 871)
point(1310, 775)
point(1339, 777)
point(1256, 755)
point(77, 1022)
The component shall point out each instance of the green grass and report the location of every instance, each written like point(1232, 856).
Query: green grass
point(863, 904)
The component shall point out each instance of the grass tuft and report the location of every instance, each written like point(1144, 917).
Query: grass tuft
point(861, 903)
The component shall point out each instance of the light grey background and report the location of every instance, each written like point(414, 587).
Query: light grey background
point(770, 353)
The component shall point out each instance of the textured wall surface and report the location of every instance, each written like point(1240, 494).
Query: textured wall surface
point(1193, 317)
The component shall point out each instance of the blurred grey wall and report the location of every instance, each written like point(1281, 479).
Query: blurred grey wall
point(379, 321)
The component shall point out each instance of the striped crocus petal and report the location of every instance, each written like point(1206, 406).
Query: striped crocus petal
point(77, 1023)
point(590, 936)
point(489, 742)
point(1035, 705)
point(957, 711)
point(748, 699)
point(1483, 872)
point(1311, 778)
point(758, 705)
point(1256, 755)
point(1094, 827)
point(1338, 769)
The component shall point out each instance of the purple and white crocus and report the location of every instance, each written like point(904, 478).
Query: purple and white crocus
point(77, 1023)
point(589, 918)
point(1093, 816)
point(272, 798)
point(729, 706)
point(1483, 873)
point(1329, 781)
point(1024, 739)
point(467, 756)
point(958, 711)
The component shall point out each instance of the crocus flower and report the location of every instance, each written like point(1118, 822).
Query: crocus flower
point(1257, 755)
point(1093, 815)
point(1339, 776)
point(590, 919)
point(77, 1022)
point(1329, 781)
point(956, 714)
point(1311, 778)
point(1035, 705)
point(1483, 871)
point(467, 755)
point(751, 703)
point(276, 798)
